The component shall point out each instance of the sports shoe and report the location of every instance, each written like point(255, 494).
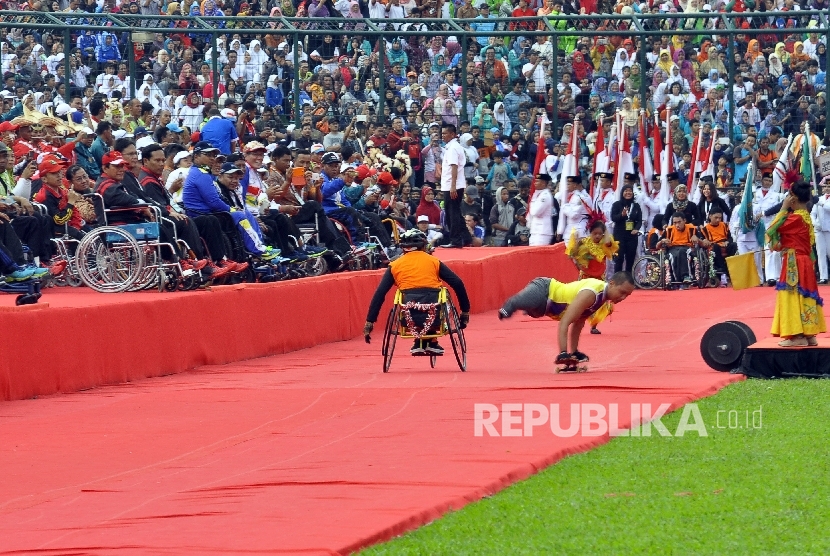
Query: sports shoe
point(20, 274)
point(723, 283)
point(580, 357)
point(38, 271)
point(297, 256)
point(417, 348)
point(812, 341)
point(269, 254)
point(218, 271)
point(794, 342)
point(595, 330)
point(313, 251)
point(434, 348)
point(57, 267)
point(503, 314)
point(193, 264)
point(687, 279)
point(232, 266)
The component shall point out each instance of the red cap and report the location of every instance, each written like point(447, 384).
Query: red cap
point(364, 172)
point(112, 158)
point(8, 126)
point(49, 166)
point(385, 178)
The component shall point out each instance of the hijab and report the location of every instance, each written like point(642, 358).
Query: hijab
point(679, 206)
point(430, 209)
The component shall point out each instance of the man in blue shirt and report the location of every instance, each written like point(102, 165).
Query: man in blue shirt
point(335, 203)
point(220, 133)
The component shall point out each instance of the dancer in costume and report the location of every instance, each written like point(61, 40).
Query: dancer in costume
point(590, 254)
point(798, 307)
point(572, 304)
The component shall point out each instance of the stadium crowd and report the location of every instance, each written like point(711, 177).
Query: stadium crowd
point(361, 168)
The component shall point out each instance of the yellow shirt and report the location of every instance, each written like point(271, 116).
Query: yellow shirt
point(561, 295)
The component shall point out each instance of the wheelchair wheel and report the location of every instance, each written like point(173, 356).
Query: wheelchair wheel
point(109, 260)
point(316, 266)
point(150, 276)
point(647, 272)
point(390, 337)
point(459, 344)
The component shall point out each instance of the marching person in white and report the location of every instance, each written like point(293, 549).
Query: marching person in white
point(575, 207)
point(748, 242)
point(652, 203)
point(768, 202)
point(605, 198)
point(821, 225)
point(541, 210)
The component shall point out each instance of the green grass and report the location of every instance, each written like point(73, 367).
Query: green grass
point(737, 491)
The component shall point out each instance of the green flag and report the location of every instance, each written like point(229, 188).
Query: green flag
point(806, 166)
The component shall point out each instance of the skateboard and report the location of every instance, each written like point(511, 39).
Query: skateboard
point(571, 366)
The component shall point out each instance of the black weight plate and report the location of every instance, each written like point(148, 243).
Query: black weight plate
point(750, 335)
point(723, 345)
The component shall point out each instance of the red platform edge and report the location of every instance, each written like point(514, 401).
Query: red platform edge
point(59, 349)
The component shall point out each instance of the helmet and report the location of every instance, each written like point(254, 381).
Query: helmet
point(413, 238)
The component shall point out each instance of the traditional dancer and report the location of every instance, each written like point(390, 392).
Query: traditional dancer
point(798, 307)
point(572, 304)
point(590, 254)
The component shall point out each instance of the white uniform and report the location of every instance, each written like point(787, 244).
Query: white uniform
point(747, 242)
point(605, 200)
point(539, 217)
point(821, 224)
point(573, 214)
point(767, 199)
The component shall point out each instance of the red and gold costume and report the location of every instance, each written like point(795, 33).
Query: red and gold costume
point(798, 305)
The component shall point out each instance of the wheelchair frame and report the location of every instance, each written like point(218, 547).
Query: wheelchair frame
point(449, 325)
point(110, 259)
point(651, 270)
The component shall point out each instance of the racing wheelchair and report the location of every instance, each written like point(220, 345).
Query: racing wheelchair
point(653, 270)
point(441, 319)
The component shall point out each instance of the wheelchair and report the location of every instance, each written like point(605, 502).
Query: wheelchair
point(446, 323)
point(29, 291)
point(653, 270)
point(125, 257)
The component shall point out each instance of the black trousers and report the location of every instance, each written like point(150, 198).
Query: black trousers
point(376, 227)
point(280, 227)
point(11, 242)
point(720, 256)
point(33, 232)
point(459, 235)
point(627, 254)
point(210, 230)
point(329, 235)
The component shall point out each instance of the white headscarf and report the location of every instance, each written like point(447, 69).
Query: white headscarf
point(622, 60)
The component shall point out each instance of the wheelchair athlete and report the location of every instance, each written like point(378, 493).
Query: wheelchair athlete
point(680, 239)
point(418, 275)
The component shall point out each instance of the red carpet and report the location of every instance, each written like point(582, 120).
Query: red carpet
point(317, 451)
point(76, 338)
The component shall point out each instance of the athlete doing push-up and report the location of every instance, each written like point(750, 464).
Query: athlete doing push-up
point(572, 304)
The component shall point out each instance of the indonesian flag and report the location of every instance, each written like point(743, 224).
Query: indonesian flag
point(570, 167)
point(602, 158)
point(646, 165)
point(540, 148)
point(666, 164)
point(624, 162)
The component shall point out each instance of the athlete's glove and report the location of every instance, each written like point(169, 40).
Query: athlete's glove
point(564, 357)
point(367, 331)
point(463, 320)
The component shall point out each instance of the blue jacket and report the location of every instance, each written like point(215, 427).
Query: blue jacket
point(86, 160)
point(274, 97)
point(199, 193)
point(333, 197)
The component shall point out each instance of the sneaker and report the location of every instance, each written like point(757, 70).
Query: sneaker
point(580, 357)
point(687, 279)
point(297, 256)
point(595, 330)
point(217, 271)
point(232, 266)
point(812, 341)
point(270, 254)
point(503, 314)
point(434, 348)
point(723, 283)
point(313, 251)
point(794, 342)
point(57, 267)
point(20, 275)
point(38, 272)
point(417, 348)
point(193, 264)
point(239, 267)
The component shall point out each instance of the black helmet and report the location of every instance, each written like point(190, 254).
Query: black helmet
point(413, 238)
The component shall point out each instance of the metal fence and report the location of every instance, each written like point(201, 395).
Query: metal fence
point(643, 29)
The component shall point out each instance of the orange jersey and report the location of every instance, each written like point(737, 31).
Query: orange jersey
point(416, 270)
point(679, 238)
point(716, 234)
